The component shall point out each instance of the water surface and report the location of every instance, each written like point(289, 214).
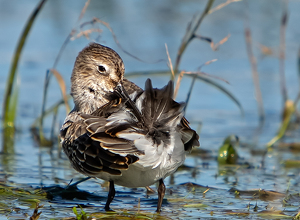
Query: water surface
point(143, 29)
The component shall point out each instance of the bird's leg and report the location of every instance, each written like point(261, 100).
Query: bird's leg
point(161, 193)
point(111, 195)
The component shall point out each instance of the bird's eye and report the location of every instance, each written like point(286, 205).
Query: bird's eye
point(101, 69)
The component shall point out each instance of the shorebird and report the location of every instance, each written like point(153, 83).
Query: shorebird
point(119, 132)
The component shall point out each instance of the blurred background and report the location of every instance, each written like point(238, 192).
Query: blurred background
point(142, 29)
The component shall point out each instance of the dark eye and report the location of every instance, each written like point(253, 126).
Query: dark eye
point(101, 69)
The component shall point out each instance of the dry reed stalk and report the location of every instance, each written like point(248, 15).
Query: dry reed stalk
point(298, 58)
point(178, 84)
point(213, 46)
point(62, 86)
point(255, 75)
point(282, 56)
point(200, 73)
point(73, 31)
point(190, 33)
point(86, 33)
point(170, 62)
point(193, 26)
point(222, 5)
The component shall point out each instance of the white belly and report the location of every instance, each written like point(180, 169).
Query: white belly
point(137, 177)
point(140, 175)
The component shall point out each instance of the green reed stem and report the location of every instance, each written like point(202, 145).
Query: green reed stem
point(10, 102)
point(9, 109)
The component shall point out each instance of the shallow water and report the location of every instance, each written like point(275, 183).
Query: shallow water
point(143, 29)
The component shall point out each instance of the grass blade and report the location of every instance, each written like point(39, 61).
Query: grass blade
point(49, 111)
point(35, 127)
point(8, 120)
point(211, 82)
point(287, 115)
point(11, 92)
point(147, 74)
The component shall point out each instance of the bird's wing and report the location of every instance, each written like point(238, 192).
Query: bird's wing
point(91, 145)
point(104, 124)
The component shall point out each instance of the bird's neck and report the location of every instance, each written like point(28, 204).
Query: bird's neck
point(89, 107)
point(87, 102)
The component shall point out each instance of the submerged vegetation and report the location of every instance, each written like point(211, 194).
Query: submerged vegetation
point(231, 161)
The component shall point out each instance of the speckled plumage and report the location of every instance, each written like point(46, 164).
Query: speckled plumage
point(119, 132)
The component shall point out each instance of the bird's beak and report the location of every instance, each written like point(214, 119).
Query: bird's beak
point(120, 90)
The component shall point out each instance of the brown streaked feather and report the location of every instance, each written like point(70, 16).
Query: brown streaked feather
point(80, 156)
point(131, 159)
point(121, 148)
point(113, 130)
point(94, 162)
point(91, 151)
point(108, 108)
point(108, 157)
point(190, 138)
point(82, 148)
point(107, 139)
point(87, 155)
point(106, 134)
point(94, 125)
point(130, 87)
point(157, 101)
point(185, 122)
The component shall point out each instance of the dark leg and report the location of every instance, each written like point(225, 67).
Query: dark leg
point(111, 195)
point(161, 193)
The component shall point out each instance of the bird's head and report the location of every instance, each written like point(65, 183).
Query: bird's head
point(98, 70)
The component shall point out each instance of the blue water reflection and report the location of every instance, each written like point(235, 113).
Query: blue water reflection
point(143, 28)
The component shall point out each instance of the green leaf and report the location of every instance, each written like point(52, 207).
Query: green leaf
point(289, 110)
point(75, 211)
point(227, 153)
